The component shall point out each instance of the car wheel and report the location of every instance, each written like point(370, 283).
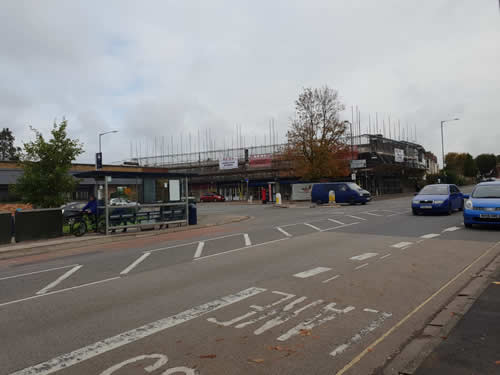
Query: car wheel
point(415, 212)
point(363, 203)
point(468, 225)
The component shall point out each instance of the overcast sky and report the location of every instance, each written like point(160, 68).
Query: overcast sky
point(161, 68)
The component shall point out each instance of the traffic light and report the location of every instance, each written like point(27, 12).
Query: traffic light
point(98, 160)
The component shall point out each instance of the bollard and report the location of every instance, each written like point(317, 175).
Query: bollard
point(331, 197)
point(278, 198)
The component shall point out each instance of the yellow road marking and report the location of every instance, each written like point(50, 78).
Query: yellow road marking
point(413, 312)
point(496, 282)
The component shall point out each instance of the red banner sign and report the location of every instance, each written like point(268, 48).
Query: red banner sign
point(260, 161)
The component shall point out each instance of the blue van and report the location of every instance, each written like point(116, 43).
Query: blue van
point(345, 192)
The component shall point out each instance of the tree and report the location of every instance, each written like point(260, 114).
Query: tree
point(486, 163)
point(7, 149)
point(46, 180)
point(470, 168)
point(315, 144)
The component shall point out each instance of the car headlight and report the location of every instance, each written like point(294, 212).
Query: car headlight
point(439, 202)
point(468, 204)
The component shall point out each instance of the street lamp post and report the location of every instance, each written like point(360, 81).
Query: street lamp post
point(442, 136)
point(101, 134)
point(98, 162)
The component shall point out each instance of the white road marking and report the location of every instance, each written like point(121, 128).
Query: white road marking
point(399, 213)
point(336, 222)
point(284, 232)
point(293, 303)
point(286, 297)
point(451, 229)
point(135, 263)
point(370, 213)
point(58, 291)
point(364, 256)
point(401, 245)
point(313, 227)
point(362, 266)
point(385, 256)
point(312, 272)
point(35, 272)
point(331, 278)
point(241, 248)
point(430, 235)
point(358, 336)
point(78, 356)
point(282, 319)
point(371, 310)
point(161, 360)
point(194, 243)
point(247, 240)
point(199, 249)
point(340, 226)
point(59, 280)
point(357, 217)
point(310, 323)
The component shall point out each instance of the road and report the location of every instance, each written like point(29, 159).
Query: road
point(291, 291)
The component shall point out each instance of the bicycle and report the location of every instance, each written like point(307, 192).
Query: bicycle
point(81, 222)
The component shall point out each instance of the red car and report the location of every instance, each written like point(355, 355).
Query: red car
point(212, 197)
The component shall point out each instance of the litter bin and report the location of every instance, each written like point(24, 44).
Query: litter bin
point(193, 216)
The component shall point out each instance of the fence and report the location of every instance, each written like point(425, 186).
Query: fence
point(37, 224)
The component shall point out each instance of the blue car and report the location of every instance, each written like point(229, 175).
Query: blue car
point(483, 205)
point(438, 198)
point(345, 192)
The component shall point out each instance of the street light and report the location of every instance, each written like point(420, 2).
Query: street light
point(101, 134)
point(442, 137)
point(98, 157)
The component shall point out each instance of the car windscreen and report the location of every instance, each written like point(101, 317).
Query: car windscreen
point(487, 191)
point(354, 186)
point(434, 190)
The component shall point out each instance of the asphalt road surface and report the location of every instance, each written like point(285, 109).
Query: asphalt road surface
point(291, 291)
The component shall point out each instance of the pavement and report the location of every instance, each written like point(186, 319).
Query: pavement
point(325, 290)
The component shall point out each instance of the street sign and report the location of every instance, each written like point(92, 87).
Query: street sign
point(399, 155)
point(353, 177)
point(356, 164)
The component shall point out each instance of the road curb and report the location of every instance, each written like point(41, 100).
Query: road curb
point(98, 240)
point(437, 329)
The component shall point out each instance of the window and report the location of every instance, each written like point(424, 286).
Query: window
point(434, 190)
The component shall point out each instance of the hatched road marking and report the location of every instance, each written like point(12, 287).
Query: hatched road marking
point(135, 263)
point(199, 249)
point(35, 272)
point(59, 280)
point(364, 256)
point(430, 235)
point(401, 245)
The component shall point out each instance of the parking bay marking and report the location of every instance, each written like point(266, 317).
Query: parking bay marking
point(284, 231)
point(135, 263)
point(311, 272)
point(402, 245)
point(199, 249)
point(36, 272)
point(313, 227)
point(357, 217)
point(78, 356)
point(330, 279)
point(59, 280)
point(451, 229)
point(247, 239)
point(336, 221)
point(370, 213)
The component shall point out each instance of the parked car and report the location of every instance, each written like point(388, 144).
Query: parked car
point(438, 198)
point(72, 208)
point(212, 197)
point(345, 192)
point(483, 205)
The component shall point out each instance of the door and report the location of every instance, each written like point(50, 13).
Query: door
point(342, 193)
point(454, 197)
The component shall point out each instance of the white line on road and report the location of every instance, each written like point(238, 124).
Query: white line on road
point(364, 256)
point(312, 272)
point(78, 356)
point(451, 229)
point(34, 273)
point(313, 227)
point(370, 213)
point(58, 291)
point(362, 266)
point(401, 245)
point(195, 242)
point(336, 222)
point(430, 235)
point(371, 310)
point(340, 226)
point(356, 217)
point(135, 263)
point(284, 232)
point(241, 248)
point(330, 279)
point(385, 256)
point(247, 240)
point(399, 213)
point(59, 280)
point(199, 249)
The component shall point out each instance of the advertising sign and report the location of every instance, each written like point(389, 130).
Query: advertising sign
point(228, 164)
point(301, 192)
point(399, 155)
point(355, 164)
point(175, 190)
point(260, 161)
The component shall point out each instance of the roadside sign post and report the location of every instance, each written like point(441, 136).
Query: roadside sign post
point(106, 203)
point(331, 197)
